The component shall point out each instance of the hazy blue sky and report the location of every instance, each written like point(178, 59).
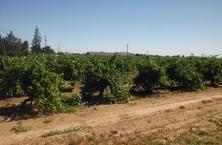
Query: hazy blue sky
point(157, 26)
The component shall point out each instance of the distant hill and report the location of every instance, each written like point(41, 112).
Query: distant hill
point(108, 53)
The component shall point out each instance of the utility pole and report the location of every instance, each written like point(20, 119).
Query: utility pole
point(127, 49)
point(59, 47)
point(45, 41)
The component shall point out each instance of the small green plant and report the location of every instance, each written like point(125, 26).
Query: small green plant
point(219, 123)
point(202, 131)
point(73, 100)
point(52, 133)
point(193, 142)
point(19, 129)
point(90, 138)
point(206, 101)
point(46, 121)
point(182, 107)
point(71, 129)
point(168, 110)
point(72, 142)
point(113, 131)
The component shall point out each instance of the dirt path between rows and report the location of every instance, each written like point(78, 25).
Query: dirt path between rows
point(123, 117)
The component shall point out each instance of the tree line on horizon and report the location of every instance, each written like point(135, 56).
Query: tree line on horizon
point(13, 46)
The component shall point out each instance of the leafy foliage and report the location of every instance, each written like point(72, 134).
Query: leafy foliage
point(13, 46)
point(40, 85)
point(73, 100)
point(184, 74)
point(149, 75)
point(101, 79)
point(212, 70)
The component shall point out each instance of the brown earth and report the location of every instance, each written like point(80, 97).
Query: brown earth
point(163, 118)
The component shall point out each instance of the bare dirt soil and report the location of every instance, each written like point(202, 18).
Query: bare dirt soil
point(175, 118)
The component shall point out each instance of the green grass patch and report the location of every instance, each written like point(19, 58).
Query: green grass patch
point(19, 129)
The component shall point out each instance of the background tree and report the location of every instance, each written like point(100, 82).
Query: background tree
point(36, 41)
point(47, 49)
point(12, 44)
point(25, 48)
point(2, 46)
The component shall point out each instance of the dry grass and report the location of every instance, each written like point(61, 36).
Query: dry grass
point(68, 130)
point(198, 135)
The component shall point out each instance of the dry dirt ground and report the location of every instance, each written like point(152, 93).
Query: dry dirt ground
point(175, 118)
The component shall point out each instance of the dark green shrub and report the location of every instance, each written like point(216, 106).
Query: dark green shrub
point(102, 77)
point(69, 69)
point(9, 82)
point(37, 83)
point(42, 78)
point(65, 86)
point(74, 100)
point(212, 70)
point(42, 88)
point(184, 74)
point(149, 76)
